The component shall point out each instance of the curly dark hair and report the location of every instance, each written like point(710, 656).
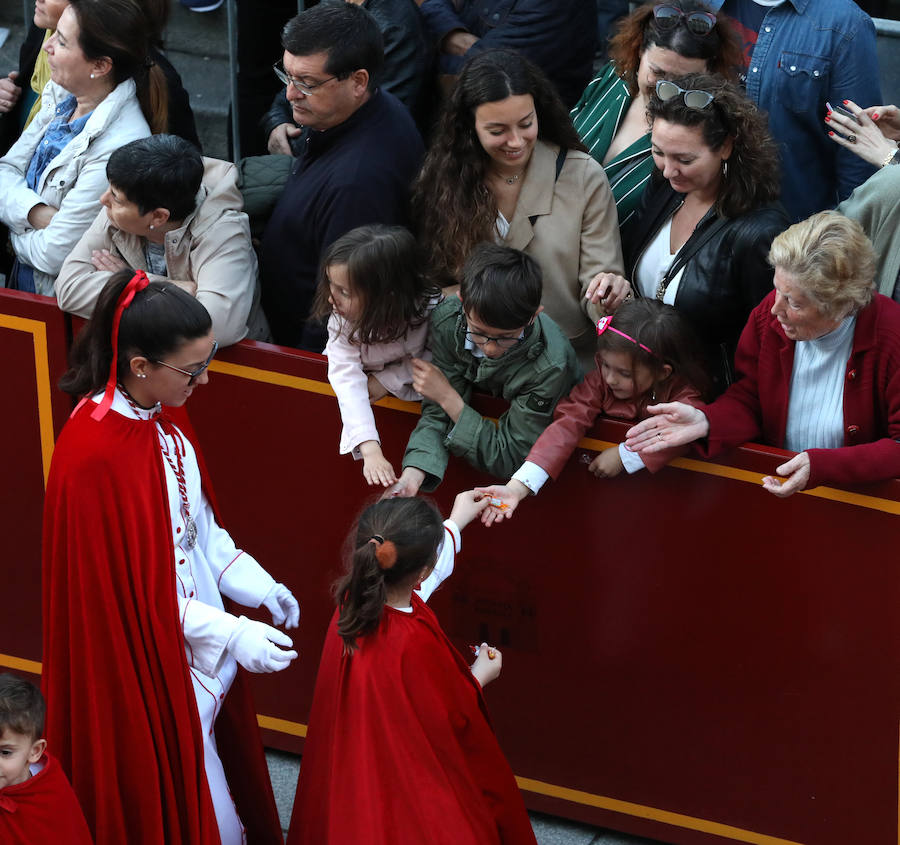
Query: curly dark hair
point(752, 176)
point(453, 207)
point(720, 48)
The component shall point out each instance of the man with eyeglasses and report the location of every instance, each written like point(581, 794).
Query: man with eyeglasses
point(494, 340)
point(361, 155)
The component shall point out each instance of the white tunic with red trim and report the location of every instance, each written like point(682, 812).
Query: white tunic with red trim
point(212, 568)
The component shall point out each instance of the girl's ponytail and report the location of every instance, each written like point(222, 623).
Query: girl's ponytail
point(394, 540)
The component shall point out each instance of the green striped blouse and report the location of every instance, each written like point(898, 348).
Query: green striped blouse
point(597, 116)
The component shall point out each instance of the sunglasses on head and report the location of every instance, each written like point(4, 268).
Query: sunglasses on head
point(668, 17)
point(694, 98)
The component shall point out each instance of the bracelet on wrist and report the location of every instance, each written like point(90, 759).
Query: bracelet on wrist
point(893, 157)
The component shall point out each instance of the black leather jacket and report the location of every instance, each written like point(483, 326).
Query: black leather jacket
point(724, 280)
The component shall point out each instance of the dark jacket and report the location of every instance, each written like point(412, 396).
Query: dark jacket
point(724, 281)
point(407, 67)
point(355, 173)
point(559, 36)
point(181, 118)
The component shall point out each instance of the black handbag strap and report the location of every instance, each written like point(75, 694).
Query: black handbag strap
point(686, 253)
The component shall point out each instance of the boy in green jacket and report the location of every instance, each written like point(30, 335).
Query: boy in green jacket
point(492, 339)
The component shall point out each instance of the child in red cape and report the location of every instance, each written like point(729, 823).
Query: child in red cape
point(400, 748)
point(37, 804)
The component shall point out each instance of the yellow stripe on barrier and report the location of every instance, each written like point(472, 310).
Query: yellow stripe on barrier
point(652, 813)
point(20, 664)
point(281, 725)
point(38, 332)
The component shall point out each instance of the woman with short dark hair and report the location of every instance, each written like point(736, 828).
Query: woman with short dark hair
point(177, 216)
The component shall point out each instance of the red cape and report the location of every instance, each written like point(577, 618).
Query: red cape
point(43, 810)
point(122, 716)
point(400, 749)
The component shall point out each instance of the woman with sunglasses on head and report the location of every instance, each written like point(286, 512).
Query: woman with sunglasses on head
point(700, 237)
point(657, 41)
point(139, 650)
point(507, 166)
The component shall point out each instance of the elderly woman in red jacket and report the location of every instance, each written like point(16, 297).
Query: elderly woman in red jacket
point(818, 365)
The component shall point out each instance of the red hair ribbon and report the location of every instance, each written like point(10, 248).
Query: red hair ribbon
point(137, 283)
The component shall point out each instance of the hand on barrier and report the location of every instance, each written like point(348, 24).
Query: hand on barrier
point(255, 646)
point(285, 610)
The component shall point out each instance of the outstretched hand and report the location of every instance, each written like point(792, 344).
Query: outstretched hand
point(866, 138)
point(466, 507)
point(501, 500)
point(669, 424)
point(794, 477)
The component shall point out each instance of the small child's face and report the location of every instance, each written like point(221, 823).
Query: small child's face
point(343, 299)
point(493, 342)
point(626, 379)
point(17, 753)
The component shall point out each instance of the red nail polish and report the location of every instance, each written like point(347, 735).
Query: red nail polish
point(831, 133)
point(828, 117)
point(846, 101)
point(875, 116)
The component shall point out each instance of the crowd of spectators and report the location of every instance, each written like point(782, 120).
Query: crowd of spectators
point(701, 240)
point(707, 132)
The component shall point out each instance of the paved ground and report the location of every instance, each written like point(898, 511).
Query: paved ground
point(549, 830)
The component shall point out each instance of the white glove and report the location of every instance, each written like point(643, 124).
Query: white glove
point(280, 602)
point(255, 646)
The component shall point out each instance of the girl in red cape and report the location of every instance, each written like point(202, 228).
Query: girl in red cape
point(400, 748)
point(147, 709)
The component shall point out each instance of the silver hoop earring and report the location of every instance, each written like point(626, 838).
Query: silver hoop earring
point(725, 167)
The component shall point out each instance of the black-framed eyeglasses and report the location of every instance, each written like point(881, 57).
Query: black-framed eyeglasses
point(669, 16)
point(480, 339)
point(192, 375)
point(694, 98)
point(305, 88)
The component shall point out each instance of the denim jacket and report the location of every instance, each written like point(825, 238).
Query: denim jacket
point(809, 53)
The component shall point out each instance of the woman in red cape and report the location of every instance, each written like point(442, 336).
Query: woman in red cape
point(400, 748)
point(139, 651)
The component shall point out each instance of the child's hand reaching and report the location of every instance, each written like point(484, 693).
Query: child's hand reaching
point(487, 665)
point(377, 468)
point(608, 464)
point(509, 495)
point(466, 507)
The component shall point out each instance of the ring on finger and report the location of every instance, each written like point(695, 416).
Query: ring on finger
point(851, 138)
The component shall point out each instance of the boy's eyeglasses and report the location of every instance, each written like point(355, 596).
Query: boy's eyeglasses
point(305, 88)
point(694, 98)
point(192, 375)
point(668, 17)
point(480, 339)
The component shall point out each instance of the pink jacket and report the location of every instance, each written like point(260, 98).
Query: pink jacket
point(575, 414)
point(349, 366)
point(757, 403)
